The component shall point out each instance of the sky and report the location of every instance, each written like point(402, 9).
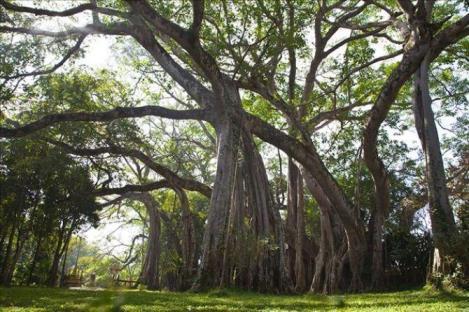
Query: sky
point(99, 52)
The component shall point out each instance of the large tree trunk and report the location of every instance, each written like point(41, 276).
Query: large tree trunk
point(330, 258)
point(213, 244)
point(307, 155)
point(445, 235)
point(254, 245)
point(236, 257)
point(273, 273)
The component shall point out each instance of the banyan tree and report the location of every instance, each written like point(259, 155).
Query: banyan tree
point(279, 73)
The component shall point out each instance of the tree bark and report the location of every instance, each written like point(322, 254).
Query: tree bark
point(64, 263)
point(273, 273)
point(296, 225)
point(54, 270)
point(291, 222)
point(445, 234)
point(188, 240)
point(334, 248)
point(34, 261)
point(300, 234)
point(210, 267)
point(377, 265)
point(20, 240)
point(7, 257)
point(254, 255)
point(150, 275)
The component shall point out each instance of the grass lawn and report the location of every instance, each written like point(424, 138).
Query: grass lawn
point(47, 299)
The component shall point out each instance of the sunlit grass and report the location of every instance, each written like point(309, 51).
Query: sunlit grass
point(47, 299)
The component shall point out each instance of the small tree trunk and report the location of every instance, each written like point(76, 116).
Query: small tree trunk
point(64, 264)
point(53, 272)
point(7, 257)
point(377, 266)
point(150, 274)
point(381, 210)
point(3, 236)
point(188, 239)
point(331, 257)
point(20, 240)
point(300, 283)
point(34, 261)
point(292, 205)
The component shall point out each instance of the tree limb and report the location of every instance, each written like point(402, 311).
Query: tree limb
point(129, 188)
point(198, 7)
point(67, 56)
point(69, 12)
point(118, 28)
point(117, 113)
point(172, 179)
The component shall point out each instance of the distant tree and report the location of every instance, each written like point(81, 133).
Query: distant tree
point(46, 197)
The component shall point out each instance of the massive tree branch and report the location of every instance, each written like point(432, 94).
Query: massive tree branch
point(163, 25)
point(449, 36)
point(182, 36)
point(69, 12)
point(117, 113)
point(188, 82)
point(118, 28)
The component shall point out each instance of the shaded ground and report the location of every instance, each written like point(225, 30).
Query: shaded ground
point(47, 299)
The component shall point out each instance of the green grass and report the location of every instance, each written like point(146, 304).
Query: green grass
point(47, 299)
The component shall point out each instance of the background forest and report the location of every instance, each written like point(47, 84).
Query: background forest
point(270, 145)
